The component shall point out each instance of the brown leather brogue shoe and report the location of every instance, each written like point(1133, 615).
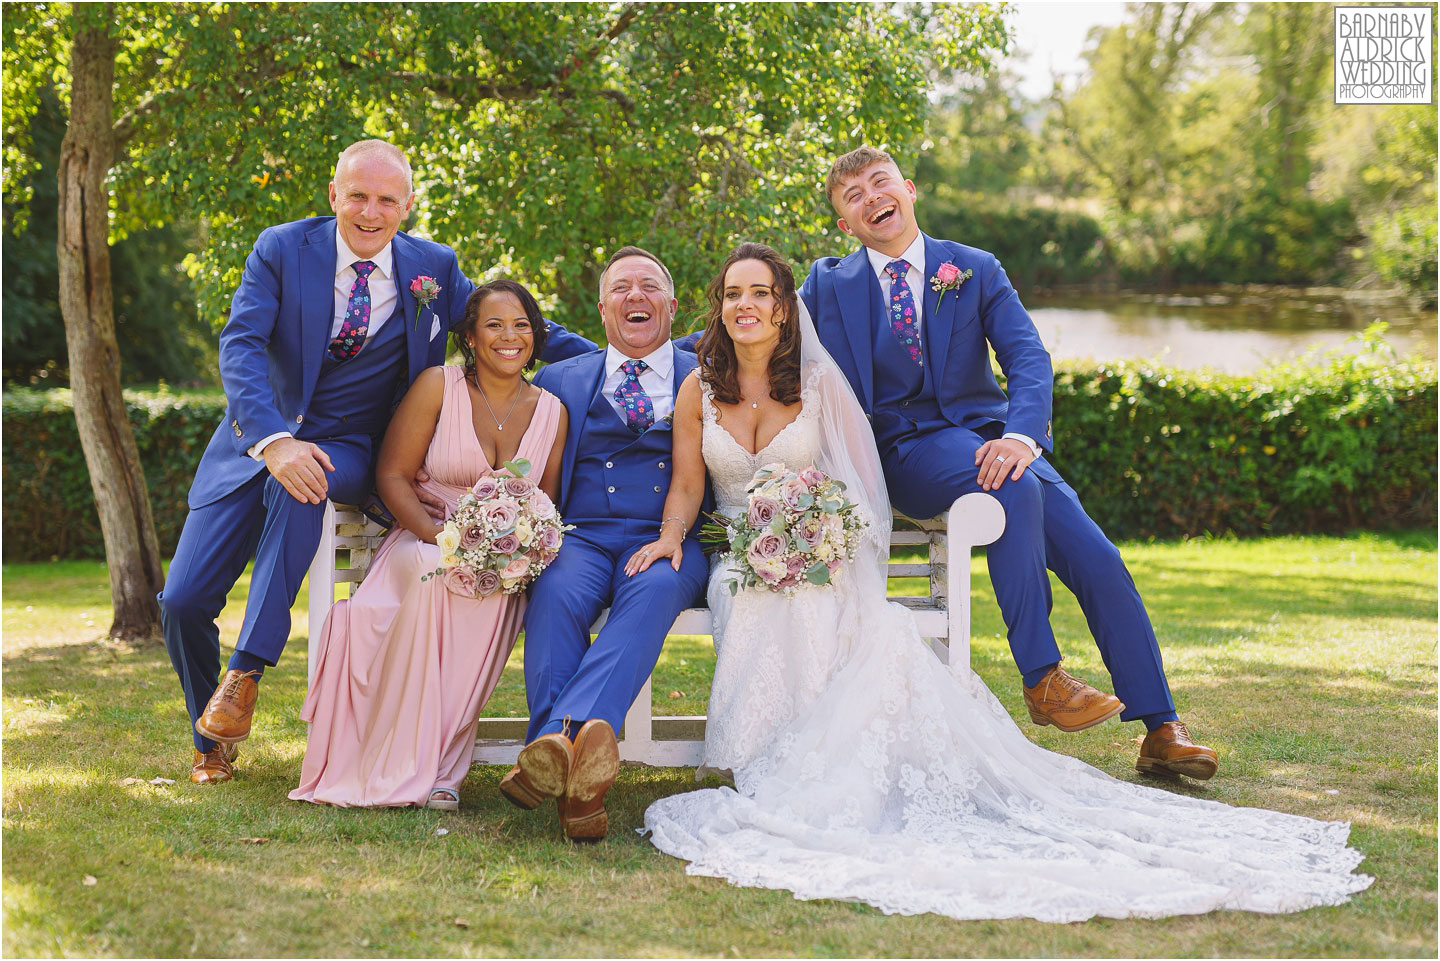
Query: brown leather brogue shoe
point(214, 766)
point(1068, 702)
point(597, 761)
point(227, 717)
point(543, 766)
point(1169, 752)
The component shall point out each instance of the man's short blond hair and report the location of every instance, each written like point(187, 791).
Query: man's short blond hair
point(383, 147)
point(852, 163)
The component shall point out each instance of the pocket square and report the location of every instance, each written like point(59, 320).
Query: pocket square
point(434, 326)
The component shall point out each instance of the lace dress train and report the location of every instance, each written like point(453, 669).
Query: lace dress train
point(865, 771)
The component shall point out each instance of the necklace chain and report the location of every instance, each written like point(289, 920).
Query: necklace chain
point(499, 424)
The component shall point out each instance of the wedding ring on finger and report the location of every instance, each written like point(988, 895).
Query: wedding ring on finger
point(1000, 459)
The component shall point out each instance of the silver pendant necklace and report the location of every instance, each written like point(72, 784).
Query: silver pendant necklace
point(499, 424)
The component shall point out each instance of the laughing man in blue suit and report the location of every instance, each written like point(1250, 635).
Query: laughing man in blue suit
point(616, 474)
point(324, 336)
point(910, 320)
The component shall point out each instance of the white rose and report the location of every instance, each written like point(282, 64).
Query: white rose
point(524, 531)
point(448, 540)
point(823, 551)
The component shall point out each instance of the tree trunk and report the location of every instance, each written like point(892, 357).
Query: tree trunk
point(122, 500)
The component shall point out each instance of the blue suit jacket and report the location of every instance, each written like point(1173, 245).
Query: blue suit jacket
point(279, 329)
point(575, 382)
point(844, 298)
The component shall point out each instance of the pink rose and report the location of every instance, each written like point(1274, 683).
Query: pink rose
point(460, 580)
point(794, 494)
point(500, 515)
point(485, 487)
point(508, 544)
point(811, 531)
point(946, 274)
point(550, 538)
point(770, 575)
point(762, 512)
point(518, 486)
point(765, 547)
point(795, 564)
point(519, 566)
point(487, 583)
point(471, 537)
point(812, 476)
point(540, 505)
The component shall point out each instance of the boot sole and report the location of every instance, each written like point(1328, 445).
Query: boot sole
point(546, 765)
point(516, 793)
point(1044, 721)
point(1201, 768)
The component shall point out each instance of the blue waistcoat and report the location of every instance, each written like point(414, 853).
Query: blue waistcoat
point(616, 473)
point(354, 396)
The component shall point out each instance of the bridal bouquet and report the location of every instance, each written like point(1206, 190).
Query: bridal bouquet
point(504, 532)
point(798, 528)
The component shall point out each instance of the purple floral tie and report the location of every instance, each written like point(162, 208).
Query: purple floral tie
point(351, 338)
point(902, 310)
point(639, 411)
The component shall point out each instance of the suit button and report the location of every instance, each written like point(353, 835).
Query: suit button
point(299, 418)
point(657, 490)
point(662, 465)
point(345, 418)
point(904, 403)
point(238, 432)
point(609, 463)
point(610, 489)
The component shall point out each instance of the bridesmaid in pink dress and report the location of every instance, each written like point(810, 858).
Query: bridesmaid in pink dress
point(404, 664)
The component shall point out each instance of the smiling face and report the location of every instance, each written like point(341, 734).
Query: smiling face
point(503, 335)
point(371, 197)
point(749, 309)
point(636, 305)
point(877, 207)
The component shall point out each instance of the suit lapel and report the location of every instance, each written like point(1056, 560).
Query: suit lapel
point(576, 389)
point(406, 264)
point(939, 320)
point(854, 281)
point(317, 301)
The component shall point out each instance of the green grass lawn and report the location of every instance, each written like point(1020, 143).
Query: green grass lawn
point(1309, 663)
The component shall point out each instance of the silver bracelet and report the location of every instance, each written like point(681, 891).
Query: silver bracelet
point(684, 528)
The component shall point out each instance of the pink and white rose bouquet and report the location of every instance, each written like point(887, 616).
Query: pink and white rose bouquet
point(798, 528)
point(504, 532)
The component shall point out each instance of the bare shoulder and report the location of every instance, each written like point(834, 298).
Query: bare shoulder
point(687, 399)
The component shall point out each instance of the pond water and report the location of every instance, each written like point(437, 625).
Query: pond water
point(1233, 331)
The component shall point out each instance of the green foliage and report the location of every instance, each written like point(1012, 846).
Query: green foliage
point(1038, 246)
point(156, 324)
point(48, 506)
point(543, 135)
point(1346, 443)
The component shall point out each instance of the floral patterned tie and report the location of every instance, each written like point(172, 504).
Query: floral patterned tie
point(351, 338)
point(902, 310)
point(639, 411)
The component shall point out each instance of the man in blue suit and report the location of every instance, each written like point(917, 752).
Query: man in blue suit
point(911, 321)
point(616, 475)
point(325, 334)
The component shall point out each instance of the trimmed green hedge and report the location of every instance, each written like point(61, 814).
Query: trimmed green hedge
point(1349, 443)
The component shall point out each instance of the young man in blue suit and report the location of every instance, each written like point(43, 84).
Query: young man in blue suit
point(324, 336)
point(616, 475)
point(911, 321)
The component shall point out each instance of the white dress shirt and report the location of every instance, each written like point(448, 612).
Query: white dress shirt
point(657, 379)
point(383, 294)
point(914, 255)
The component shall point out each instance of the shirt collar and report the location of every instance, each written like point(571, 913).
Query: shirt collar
point(345, 258)
point(661, 360)
point(914, 255)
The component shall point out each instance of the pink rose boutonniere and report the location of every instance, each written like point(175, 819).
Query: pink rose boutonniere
point(425, 290)
point(948, 277)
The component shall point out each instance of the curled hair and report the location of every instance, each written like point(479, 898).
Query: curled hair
point(538, 328)
point(716, 351)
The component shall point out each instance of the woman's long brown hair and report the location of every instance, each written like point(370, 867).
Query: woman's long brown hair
point(716, 350)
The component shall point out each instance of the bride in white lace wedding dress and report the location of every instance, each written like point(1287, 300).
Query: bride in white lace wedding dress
point(864, 770)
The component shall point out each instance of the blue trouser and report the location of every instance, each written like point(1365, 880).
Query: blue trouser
point(258, 519)
point(1045, 527)
point(566, 673)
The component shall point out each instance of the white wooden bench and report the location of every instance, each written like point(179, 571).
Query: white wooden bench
point(349, 541)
